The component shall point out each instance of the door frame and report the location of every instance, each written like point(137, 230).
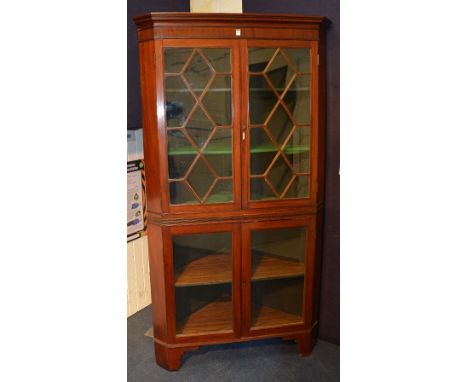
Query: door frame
point(168, 233)
point(161, 123)
point(310, 260)
point(314, 125)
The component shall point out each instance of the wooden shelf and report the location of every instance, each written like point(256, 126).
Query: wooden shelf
point(210, 150)
point(269, 267)
point(219, 150)
point(214, 317)
point(265, 317)
point(217, 269)
point(210, 269)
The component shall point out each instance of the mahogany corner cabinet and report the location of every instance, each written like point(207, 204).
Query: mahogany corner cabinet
point(233, 110)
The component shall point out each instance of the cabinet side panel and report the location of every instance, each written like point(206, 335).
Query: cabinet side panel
point(150, 135)
point(322, 96)
point(158, 288)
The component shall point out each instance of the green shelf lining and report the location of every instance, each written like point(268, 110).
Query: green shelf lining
point(219, 197)
point(210, 150)
point(228, 151)
point(287, 150)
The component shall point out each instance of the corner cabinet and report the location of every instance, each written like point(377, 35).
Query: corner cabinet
point(233, 120)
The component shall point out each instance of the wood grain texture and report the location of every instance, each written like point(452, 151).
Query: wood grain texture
point(214, 317)
point(266, 317)
point(211, 269)
point(150, 136)
point(256, 20)
point(269, 267)
point(216, 269)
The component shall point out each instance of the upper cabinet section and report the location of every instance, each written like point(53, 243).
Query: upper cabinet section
point(177, 25)
point(232, 112)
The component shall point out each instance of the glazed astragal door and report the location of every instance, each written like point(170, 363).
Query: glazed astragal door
point(279, 120)
point(200, 116)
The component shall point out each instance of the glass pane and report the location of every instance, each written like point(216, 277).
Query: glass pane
point(285, 117)
point(278, 266)
point(276, 302)
point(299, 188)
point(175, 59)
point(286, 244)
point(259, 58)
point(300, 58)
point(199, 127)
point(181, 194)
point(262, 151)
point(280, 174)
point(261, 100)
point(297, 99)
point(219, 152)
point(179, 101)
point(219, 58)
point(203, 281)
point(181, 154)
point(201, 178)
point(260, 190)
point(217, 101)
point(198, 73)
point(280, 73)
point(297, 150)
point(222, 192)
point(191, 127)
point(280, 125)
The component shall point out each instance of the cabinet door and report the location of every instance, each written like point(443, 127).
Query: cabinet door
point(204, 280)
point(198, 118)
point(277, 268)
point(280, 88)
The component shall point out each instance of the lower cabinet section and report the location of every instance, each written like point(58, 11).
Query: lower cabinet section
point(232, 282)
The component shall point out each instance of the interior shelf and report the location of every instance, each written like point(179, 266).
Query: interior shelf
point(269, 267)
point(210, 269)
point(217, 269)
point(224, 90)
point(263, 316)
point(213, 317)
point(210, 150)
point(228, 151)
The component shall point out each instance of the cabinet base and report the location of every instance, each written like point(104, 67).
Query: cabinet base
point(169, 356)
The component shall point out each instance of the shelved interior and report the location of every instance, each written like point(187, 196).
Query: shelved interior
point(276, 302)
point(277, 274)
point(204, 309)
point(202, 258)
point(203, 282)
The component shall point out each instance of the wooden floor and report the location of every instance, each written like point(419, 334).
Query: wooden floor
point(217, 269)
